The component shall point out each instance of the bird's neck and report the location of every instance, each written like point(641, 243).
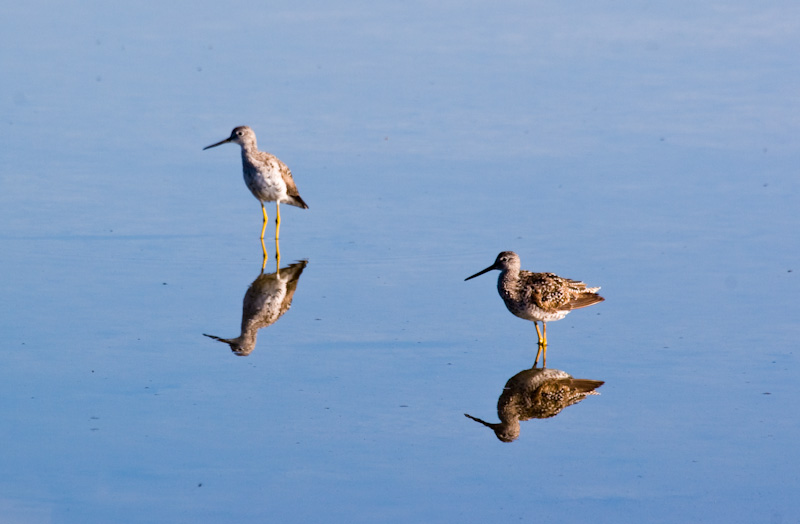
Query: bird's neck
point(248, 155)
point(509, 274)
point(249, 148)
point(506, 282)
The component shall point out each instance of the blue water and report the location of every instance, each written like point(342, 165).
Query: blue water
point(646, 148)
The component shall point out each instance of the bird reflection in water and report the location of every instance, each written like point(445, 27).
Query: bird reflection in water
point(266, 300)
point(536, 393)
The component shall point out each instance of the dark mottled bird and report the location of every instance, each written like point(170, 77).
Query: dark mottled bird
point(540, 297)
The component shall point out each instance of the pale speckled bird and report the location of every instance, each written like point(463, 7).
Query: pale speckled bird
point(540, 297)
point(266, 176)
point(266, 300)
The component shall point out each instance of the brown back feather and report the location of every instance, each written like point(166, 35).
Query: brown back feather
point(291, 187)
point(584, 300)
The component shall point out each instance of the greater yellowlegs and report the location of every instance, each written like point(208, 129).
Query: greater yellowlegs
point(540, 297)
point(266, 300)
point(266, 176)
point(536, 393)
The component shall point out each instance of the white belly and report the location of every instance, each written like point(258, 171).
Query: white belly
point(533, 313)
point(265, 182)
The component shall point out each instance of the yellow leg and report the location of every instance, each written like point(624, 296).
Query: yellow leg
point(263, 247)
point(277, 220)
point(542, 344)
point(538, 343)
point(277, 256)
point(264, 225)
point(277, 233)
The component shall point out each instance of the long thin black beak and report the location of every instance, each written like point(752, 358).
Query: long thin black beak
point(479, 273)
point(218, 143)
point(487, 424)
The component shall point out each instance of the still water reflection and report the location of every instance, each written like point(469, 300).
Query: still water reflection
point(536, 393)
point(265, 301)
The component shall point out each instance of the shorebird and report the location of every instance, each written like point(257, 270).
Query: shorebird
point(266, 176)
point(540, 297)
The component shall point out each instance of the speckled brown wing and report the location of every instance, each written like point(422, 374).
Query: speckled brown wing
point(584, 300)
point(565, 294)
point(581, 295)
point(291, 187)
point(555, 395)
point(294, 270)
point(547, 291)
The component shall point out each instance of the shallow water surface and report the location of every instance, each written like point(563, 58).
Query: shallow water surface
point(647, 149)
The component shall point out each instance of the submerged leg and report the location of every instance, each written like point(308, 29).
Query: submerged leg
point(277, 255)
point(538, 352)
point(544, 333)
point(263, 254)
point(544, 344)
point(277, 220)
point(263, 247)
point(544, 356)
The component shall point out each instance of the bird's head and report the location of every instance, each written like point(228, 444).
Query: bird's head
point(504, 261)
point(241, 135)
